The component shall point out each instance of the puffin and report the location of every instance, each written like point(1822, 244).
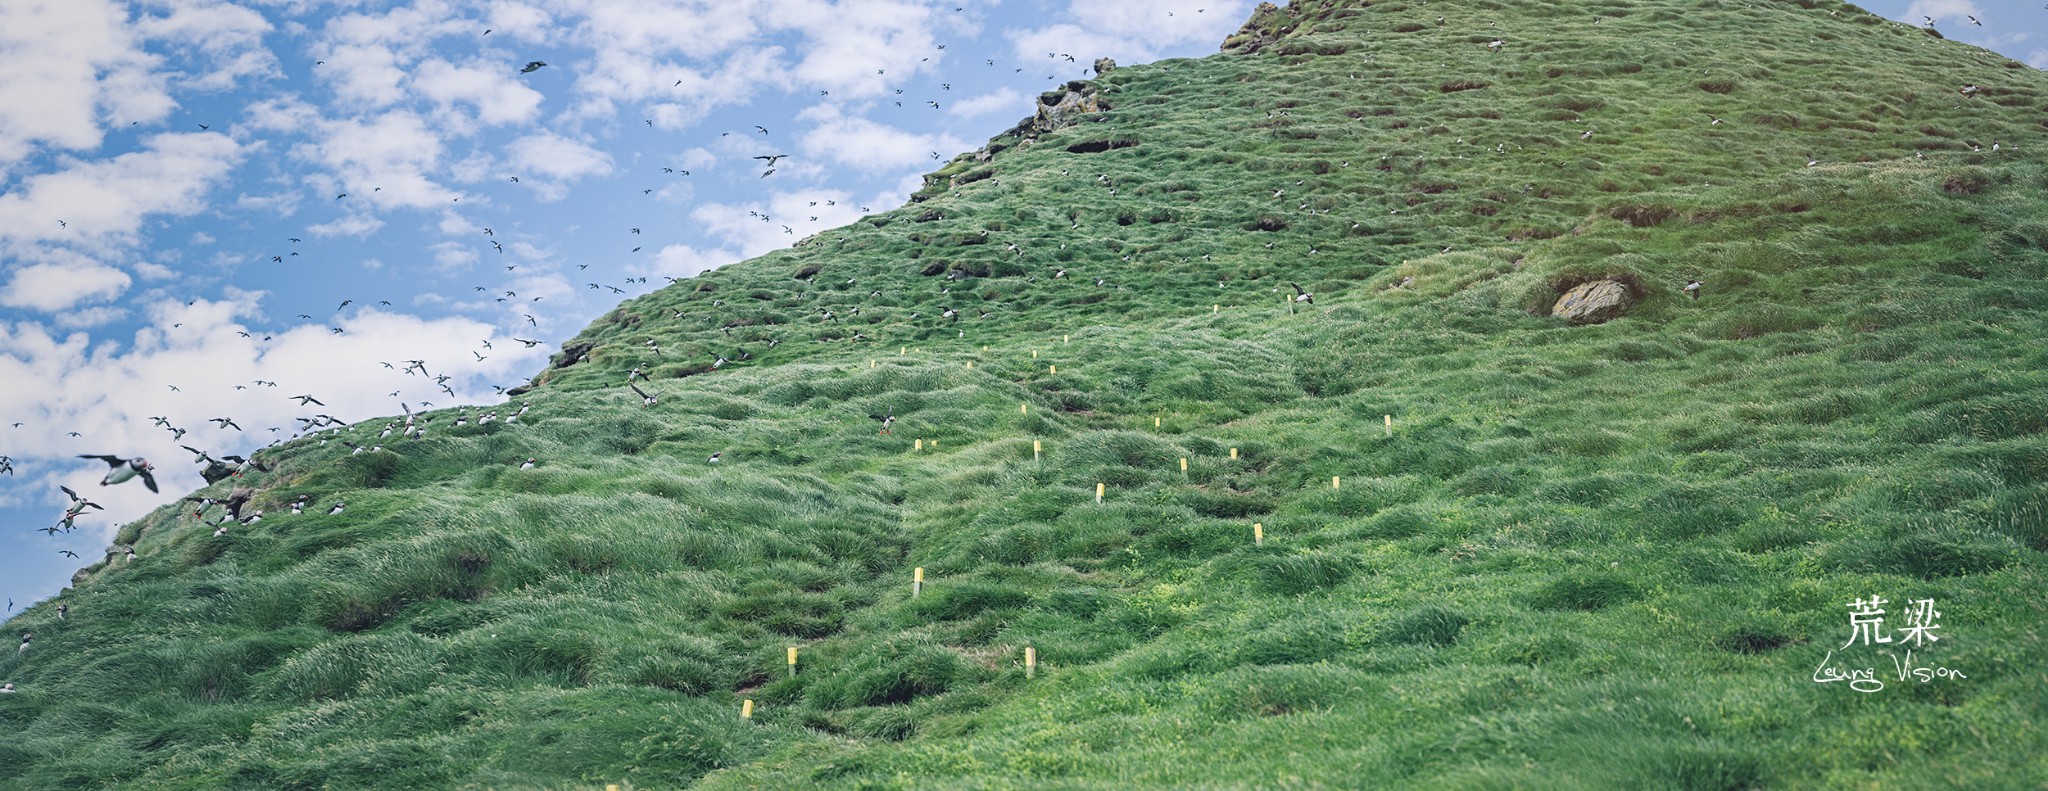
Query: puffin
point(25, 637)
point(120, 470)
point(62, 610)
point(714, 456)
point(1301, 295)
point(1692, 289)
point(645, 399)
point(7, 688)
point(337, 507)
point(529, 464)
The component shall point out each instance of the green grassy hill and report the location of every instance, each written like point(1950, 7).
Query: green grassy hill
point(1560, 556)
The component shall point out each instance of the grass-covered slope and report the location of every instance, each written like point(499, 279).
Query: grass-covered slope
point(1582, 556)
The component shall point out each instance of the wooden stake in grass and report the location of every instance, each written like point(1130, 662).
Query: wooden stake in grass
point(1037, 447)
point(792, 661)
point(1335, 481)
point(1098, 494)
point(746, 709)
point(1390, 425)
point(1030, 662)
point(1258, 534)
point(916, 581)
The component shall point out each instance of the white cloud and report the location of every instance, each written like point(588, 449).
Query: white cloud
point(1002, 100)
point(111, 197)
point(1129, 31)
point(496, 97)
point(53, 286)
point(71, 65)
point(453, 256)
point(384, 160)
point(229, 36)
point(356, 224)
point(867, 145)
point(557, 161)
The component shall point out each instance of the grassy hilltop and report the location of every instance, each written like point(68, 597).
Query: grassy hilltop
point(1606, 555)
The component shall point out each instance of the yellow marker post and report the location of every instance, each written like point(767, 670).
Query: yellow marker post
point(1183, 465)
point(747, 709)
point(1258, 534)
point(792, 661)
point(1098, 494)
point(917, 445)
point(1233, 453)
point(1034, 354)
point(1155, 422)
point(1334, 481)
point(901, 349)
point(916, 581)
point(1037, 447)
point(1065, 339)
point(970, 364)
point(1030, 662)
point(871, 362)
point(1052, 369)
point(1023, 409)
point(1215, 308)
point(1390, 425)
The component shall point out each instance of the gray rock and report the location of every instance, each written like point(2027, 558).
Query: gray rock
point(1104, 66)
point(1593, 302)
point(1062, 108)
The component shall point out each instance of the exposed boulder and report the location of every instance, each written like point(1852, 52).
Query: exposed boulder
point(573, 354)
point(1593, 302)
point(1062, 108)
point(1104, 66)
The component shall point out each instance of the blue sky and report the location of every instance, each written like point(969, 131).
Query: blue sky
point(200, 197)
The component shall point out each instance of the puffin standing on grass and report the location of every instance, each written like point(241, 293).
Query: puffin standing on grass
point(120, 470)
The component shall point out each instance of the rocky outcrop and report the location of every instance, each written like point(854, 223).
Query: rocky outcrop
point(1104, 66)
point(1267, 24)
point(1593, 302)
point(1059, 109)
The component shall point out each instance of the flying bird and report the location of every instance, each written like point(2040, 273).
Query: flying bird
point(533, 67)
point(120, 470)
